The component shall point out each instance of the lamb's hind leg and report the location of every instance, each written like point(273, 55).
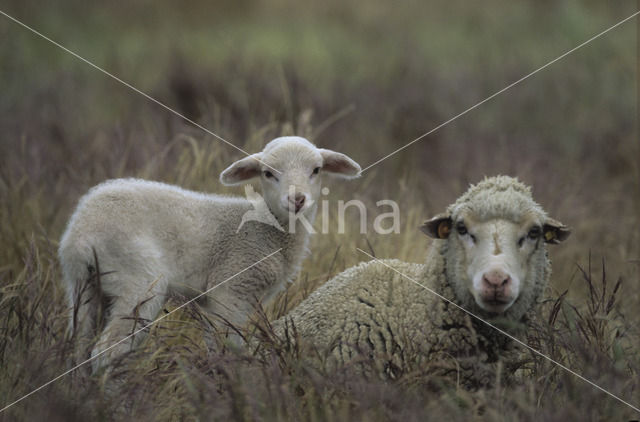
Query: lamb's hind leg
point(83, 298)
point(134, 305)
point(83, 315)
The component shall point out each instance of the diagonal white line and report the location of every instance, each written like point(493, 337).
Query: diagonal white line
point(136, 332)
point(502, 331)
point(133, 88)
point(500, 92)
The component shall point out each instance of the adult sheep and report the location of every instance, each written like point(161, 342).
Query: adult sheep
point(151, 238)
point(490, 259)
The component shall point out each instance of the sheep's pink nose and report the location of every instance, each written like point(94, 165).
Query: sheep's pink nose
point(298, 201)
point(496, 279)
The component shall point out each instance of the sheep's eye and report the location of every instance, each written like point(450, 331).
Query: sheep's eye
point(535, 232)
point(269, 175)
point(316, 171)
point(462, 229)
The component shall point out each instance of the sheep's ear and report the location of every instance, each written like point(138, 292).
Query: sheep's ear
point(438, 227)
point(554, 231)
point(241, 170)
point(339, 164)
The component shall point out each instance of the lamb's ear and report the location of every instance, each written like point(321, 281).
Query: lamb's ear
point(339, 164)
point(438, 227)
point(241, 170)
point(554, 231)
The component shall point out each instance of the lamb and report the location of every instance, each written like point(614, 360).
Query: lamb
point(146, 239)
point(489, 258)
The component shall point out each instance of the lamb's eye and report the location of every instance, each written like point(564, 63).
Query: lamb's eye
point(535, 232)
point(268, 174)
point(462, 229)
point(316, 171)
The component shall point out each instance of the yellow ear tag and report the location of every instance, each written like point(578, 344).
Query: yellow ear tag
point(550, 235)
point(443, 229)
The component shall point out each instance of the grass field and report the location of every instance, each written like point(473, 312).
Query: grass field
point(361, 78)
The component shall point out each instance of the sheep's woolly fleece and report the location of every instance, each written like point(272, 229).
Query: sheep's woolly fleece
point(498, 197)
point(372, 314)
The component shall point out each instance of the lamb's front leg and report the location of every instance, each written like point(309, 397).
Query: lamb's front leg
point(230, 315)
point(235, 289)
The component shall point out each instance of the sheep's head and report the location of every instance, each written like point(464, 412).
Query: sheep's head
point(496, 255)
point(290, 169)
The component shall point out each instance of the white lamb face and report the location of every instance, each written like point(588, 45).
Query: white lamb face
point(290, 169)
point(296, 187)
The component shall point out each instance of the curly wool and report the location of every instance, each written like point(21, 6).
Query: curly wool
point(372, 310)
point(498, 197)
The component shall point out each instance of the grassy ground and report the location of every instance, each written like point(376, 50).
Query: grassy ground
point(364, 80)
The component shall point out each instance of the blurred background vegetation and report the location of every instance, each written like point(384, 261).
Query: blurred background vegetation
point(363, 78)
